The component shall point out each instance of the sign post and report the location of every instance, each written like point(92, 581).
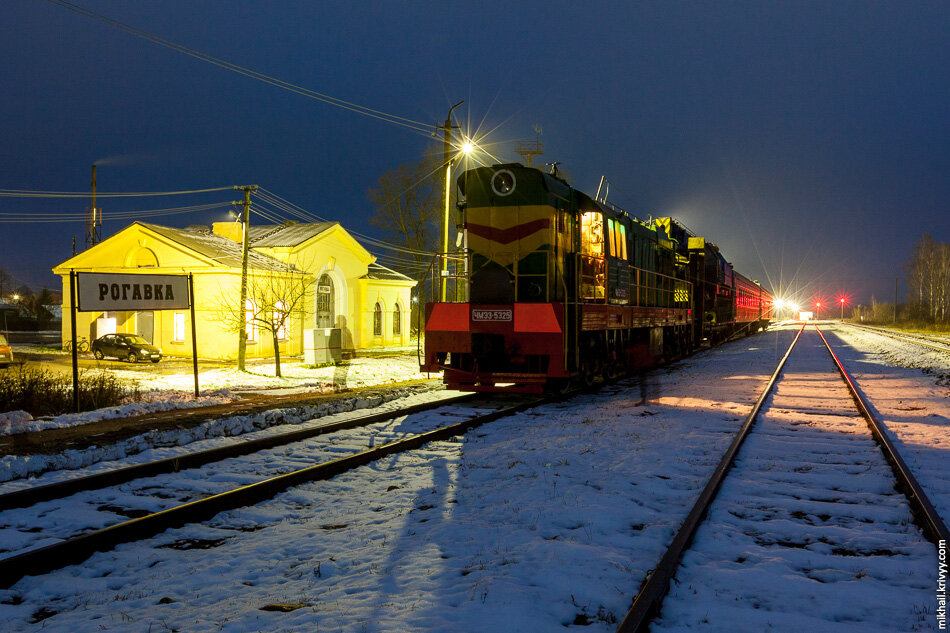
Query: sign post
point(107, 292)
point(194, 338)
point(75, 351)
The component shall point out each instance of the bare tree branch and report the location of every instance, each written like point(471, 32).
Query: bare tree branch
point(278, 298)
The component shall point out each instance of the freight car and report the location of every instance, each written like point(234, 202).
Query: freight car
point(559, 286)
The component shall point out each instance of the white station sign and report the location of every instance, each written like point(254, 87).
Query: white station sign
point(120, 291)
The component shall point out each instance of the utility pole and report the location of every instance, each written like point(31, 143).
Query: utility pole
point(242, 310)
point(94, 219)
point(447, 161)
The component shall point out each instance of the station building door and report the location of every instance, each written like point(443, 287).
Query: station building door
point(325, 314)
point(145, 325)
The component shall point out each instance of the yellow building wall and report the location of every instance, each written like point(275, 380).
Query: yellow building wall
point(214, 340)
point(137, 249)
point(389, 295)
point(336, 250)
point(126, 251)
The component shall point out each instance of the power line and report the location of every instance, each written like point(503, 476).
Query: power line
point(27, 193)
point(417, 126)
point(302, 213)
point(24, 217)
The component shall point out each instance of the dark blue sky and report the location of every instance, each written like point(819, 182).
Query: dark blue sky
point(810, 140)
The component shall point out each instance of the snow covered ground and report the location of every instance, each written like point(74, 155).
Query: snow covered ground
point(537, 522)
point(908, 387)
point(156, 444)
point(807, 532)
point(176, 391)
point(48, 522)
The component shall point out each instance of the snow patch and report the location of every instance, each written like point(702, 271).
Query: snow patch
point(22, 466)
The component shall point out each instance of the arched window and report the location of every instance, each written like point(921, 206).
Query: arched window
point(280, 320)
point(250, 309)
point(378, 320)
point(397, 321)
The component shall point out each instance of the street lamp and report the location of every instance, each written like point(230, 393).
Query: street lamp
point(818, 310)
point(842, 308)
point(447, 159)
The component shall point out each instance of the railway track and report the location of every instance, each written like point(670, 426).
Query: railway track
point(930, 342)
point(33, 494)
point(76, 541)
point(155, 488)
point(463, 516)
point(806, 454)
point(134, 489)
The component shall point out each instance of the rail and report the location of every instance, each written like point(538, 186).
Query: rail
point(924, 511)
point(79, 548)
point(36, 494)
point(923, 341)
point(646, 605)
point(648, 601)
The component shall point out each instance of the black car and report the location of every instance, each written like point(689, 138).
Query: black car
point(130, 347)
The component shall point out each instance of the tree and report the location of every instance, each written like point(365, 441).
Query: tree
point(408, 208)
point(6, 283)
point(928, 278)
point(276, 300)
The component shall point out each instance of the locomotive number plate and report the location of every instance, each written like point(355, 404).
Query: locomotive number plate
point(491, 315)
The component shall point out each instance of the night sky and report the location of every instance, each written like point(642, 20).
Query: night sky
point(810, 140)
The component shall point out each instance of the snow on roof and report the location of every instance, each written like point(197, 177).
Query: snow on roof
point(222, 250)
point(287, 235)
point(377, 271)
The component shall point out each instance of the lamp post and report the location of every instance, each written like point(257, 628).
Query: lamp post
point(447, 159)
point(842, 308)
point(818, 310)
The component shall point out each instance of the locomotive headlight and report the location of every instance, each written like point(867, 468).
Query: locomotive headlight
point(503, 182)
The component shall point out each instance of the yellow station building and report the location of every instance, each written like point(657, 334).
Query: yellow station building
point(345, 287)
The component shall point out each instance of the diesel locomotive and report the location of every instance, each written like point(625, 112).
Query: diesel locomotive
point(560, 287)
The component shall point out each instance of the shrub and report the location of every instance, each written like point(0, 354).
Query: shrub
point(42, 392)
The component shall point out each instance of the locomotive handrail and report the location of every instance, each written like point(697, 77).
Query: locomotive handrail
point(434, 264)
